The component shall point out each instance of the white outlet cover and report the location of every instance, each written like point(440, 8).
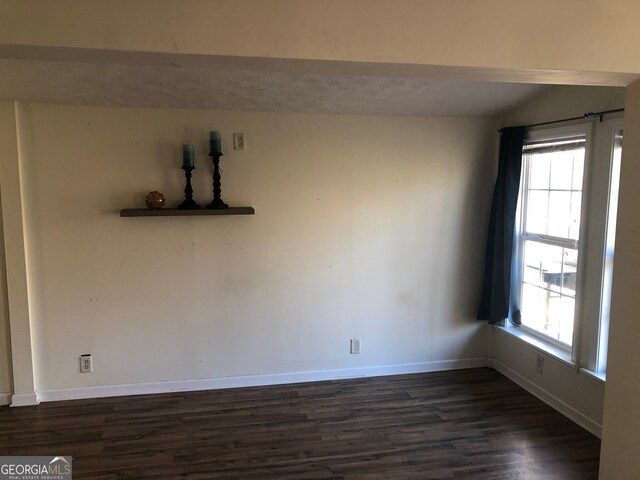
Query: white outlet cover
point(86, 364)
point(539, 363)
point(238, 141)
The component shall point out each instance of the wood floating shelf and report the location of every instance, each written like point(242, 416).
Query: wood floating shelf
point(174, 212)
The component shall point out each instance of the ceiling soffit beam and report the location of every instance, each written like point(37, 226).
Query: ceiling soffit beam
point(321, 67)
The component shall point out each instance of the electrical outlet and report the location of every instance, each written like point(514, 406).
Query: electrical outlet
point(355, 346)
point(86, 364)
point(238, 141)
point(539, 363)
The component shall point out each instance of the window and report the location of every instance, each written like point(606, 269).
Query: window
point(551, 208)
point(563, 256)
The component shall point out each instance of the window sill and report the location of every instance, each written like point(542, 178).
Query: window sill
point(599, 377)
point(560, 354)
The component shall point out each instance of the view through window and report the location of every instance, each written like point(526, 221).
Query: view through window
point(550, 236)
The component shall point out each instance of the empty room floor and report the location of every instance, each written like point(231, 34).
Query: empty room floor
point(466, 424)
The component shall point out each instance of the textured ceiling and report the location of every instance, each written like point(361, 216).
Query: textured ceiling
point(232, 89)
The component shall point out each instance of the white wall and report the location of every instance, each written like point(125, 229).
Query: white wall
point(7, 153)
point(619, 457)
point(565, 102)
point(566, 41)
point(575, 393)
point(500, 35)
point(6, 379)
point(369, 227)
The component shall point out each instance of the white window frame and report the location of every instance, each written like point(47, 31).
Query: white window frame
point(555, 134)
point(595, 332)
point(589, 348)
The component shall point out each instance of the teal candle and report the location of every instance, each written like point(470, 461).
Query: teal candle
point(187, 156)
point(216, 142)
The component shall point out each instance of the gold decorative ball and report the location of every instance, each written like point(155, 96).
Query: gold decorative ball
point(154, 200)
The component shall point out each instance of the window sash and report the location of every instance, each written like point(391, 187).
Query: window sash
point(551, 240)
point(566, 243)
point(549, 146)
point(554, 142)
point(546, 338)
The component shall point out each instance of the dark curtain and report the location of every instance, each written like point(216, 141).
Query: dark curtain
point(494, 305)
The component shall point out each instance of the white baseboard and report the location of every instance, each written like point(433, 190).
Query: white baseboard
point(5, 398)
point(550, 399)
point(255, 380)
point(24, 399)
point(301, 377)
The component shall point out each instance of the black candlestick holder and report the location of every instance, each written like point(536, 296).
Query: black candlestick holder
point(189, 203)
point(216, 203)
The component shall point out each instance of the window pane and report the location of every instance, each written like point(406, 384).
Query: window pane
point(534, 307)
point(536, 220)
point(576, 211)
point(548, 312)
point(539, 172)
point(562, 170)
point(533, 258)
point(565, 319)
point(543, 265)
point(559, 214)
point(578, 170)
point(569, 271)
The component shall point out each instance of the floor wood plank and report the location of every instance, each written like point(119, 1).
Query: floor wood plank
point(467, 424)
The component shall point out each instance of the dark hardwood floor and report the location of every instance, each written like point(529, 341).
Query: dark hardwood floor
point(467, 424)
